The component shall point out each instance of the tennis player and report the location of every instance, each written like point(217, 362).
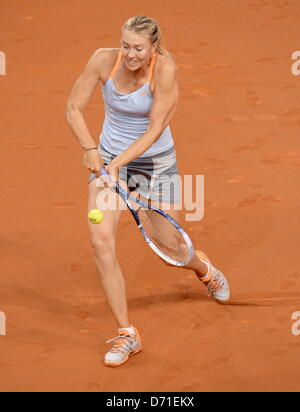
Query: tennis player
point(140, 91)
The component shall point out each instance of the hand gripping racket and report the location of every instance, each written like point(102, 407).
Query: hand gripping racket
point(162, 233)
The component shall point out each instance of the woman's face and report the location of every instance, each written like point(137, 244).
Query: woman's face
point(136, 50)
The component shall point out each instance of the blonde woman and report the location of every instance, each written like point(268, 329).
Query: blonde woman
point(140, 92)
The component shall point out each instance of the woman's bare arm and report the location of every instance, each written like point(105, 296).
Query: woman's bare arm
point(80, 95)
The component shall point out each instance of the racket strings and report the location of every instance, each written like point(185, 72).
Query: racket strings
point(164, 235)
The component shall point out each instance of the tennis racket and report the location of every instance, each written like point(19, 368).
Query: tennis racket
point(162, 233)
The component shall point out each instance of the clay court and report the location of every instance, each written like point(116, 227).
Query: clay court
point(237, 124)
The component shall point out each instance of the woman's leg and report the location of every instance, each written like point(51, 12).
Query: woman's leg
point(103, 240)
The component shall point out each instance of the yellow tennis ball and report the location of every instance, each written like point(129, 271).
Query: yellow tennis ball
point(96, 216)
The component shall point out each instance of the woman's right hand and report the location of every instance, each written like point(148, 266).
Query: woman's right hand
point(93, 161)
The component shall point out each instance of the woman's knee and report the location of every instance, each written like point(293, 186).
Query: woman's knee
point(103, 245)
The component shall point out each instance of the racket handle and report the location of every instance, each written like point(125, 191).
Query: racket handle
point(104, 172)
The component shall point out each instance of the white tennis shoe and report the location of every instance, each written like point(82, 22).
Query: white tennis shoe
point(125, 345)
point(215, 281)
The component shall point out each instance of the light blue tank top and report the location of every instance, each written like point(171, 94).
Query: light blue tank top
point(127, 117)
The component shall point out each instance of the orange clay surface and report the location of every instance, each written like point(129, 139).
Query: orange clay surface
point(237, 124)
